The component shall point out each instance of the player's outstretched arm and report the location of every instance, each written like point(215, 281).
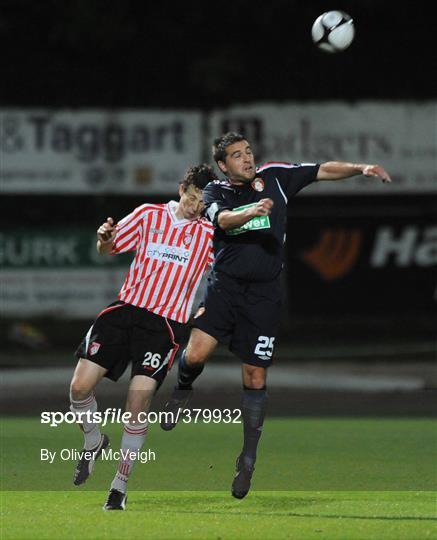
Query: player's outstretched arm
point(337, 170)
point(105, 237)
point(231, 219)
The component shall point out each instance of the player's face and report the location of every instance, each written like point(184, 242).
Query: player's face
point(191, 202)
point(239, 165)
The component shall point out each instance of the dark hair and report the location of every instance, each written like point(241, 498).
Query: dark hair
point(222, 142)
point(198, 176)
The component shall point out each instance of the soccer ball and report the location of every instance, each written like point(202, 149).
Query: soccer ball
point(333, 31)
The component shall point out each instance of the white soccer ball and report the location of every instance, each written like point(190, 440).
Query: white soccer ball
point(333, 31)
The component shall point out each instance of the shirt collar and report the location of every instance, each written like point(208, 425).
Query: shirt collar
point(238, 189)
point(171, 207)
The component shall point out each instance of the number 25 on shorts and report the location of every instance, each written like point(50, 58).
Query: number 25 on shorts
point(264, 347)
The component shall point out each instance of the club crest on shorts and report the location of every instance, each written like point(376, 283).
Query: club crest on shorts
point(94, 347)
point(258, 184)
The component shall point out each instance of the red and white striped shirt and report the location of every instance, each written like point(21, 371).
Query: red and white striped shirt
point(171, 257)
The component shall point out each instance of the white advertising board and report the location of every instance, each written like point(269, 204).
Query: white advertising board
point(96, 151)
point(402, 137)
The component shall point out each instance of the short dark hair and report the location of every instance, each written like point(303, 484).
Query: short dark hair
point(221, 143)
point(198, 176)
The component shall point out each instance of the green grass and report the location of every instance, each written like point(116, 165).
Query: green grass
point(295, 454)
point(215, 515)
point(315, 478)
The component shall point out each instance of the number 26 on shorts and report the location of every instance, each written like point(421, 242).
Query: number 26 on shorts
point(152, 360)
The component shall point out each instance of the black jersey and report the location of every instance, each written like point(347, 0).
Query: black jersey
point(254, 252)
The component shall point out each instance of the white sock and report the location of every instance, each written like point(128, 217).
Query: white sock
point(91, 430)
point(133, 439)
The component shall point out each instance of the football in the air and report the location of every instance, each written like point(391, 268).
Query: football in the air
point(333, 31)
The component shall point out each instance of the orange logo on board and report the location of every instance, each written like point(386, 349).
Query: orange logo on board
point(335, 254)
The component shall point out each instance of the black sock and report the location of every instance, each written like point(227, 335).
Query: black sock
point(187, 374)
point(253, 411)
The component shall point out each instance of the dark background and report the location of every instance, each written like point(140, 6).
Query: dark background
point(192, 55)
point(138, 53)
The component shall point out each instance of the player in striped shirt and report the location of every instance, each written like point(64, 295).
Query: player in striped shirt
point(173, 249)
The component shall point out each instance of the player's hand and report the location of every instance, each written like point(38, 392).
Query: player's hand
point(199, 312)
point(377, 170)
point(106, 231)
point(262, 207)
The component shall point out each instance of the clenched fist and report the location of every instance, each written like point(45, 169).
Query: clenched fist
point(262, 207)
point(106, 231)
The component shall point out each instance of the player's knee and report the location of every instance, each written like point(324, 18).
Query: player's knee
point(194, 357)
point(254, 377)
point(257, 382)
point(79, 389)
point(199, 348)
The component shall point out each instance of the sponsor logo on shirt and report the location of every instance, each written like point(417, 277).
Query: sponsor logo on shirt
point(165, 253)
point(255, 224)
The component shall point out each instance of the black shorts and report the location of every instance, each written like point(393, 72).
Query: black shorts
point(123, 333)
point(244, 316)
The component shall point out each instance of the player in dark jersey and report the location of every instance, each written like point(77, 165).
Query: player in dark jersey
point(242, 301)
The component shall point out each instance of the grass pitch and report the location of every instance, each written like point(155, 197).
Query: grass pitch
point(215, 515)
point(315, 478)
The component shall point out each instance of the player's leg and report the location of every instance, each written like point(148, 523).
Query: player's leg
point(253, 410)
point(253, 342)
point(213, 325)
point(83, 402)
point(141, 391)
point(154, 342)
point(101, 353)
point(191, 363)
point(86, 376)
point(254, 405)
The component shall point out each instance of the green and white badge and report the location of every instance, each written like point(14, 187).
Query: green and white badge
point(255, 224)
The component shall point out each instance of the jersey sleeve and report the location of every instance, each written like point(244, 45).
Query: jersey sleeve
point(292, 177)
point(214, 202)
point(128, 232)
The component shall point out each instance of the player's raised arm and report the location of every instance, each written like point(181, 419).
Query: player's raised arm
point(230, 219)
point(337, 170)
point(105, 237)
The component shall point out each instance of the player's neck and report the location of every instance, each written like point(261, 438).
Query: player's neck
point(238, 182)
point(178, 212)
